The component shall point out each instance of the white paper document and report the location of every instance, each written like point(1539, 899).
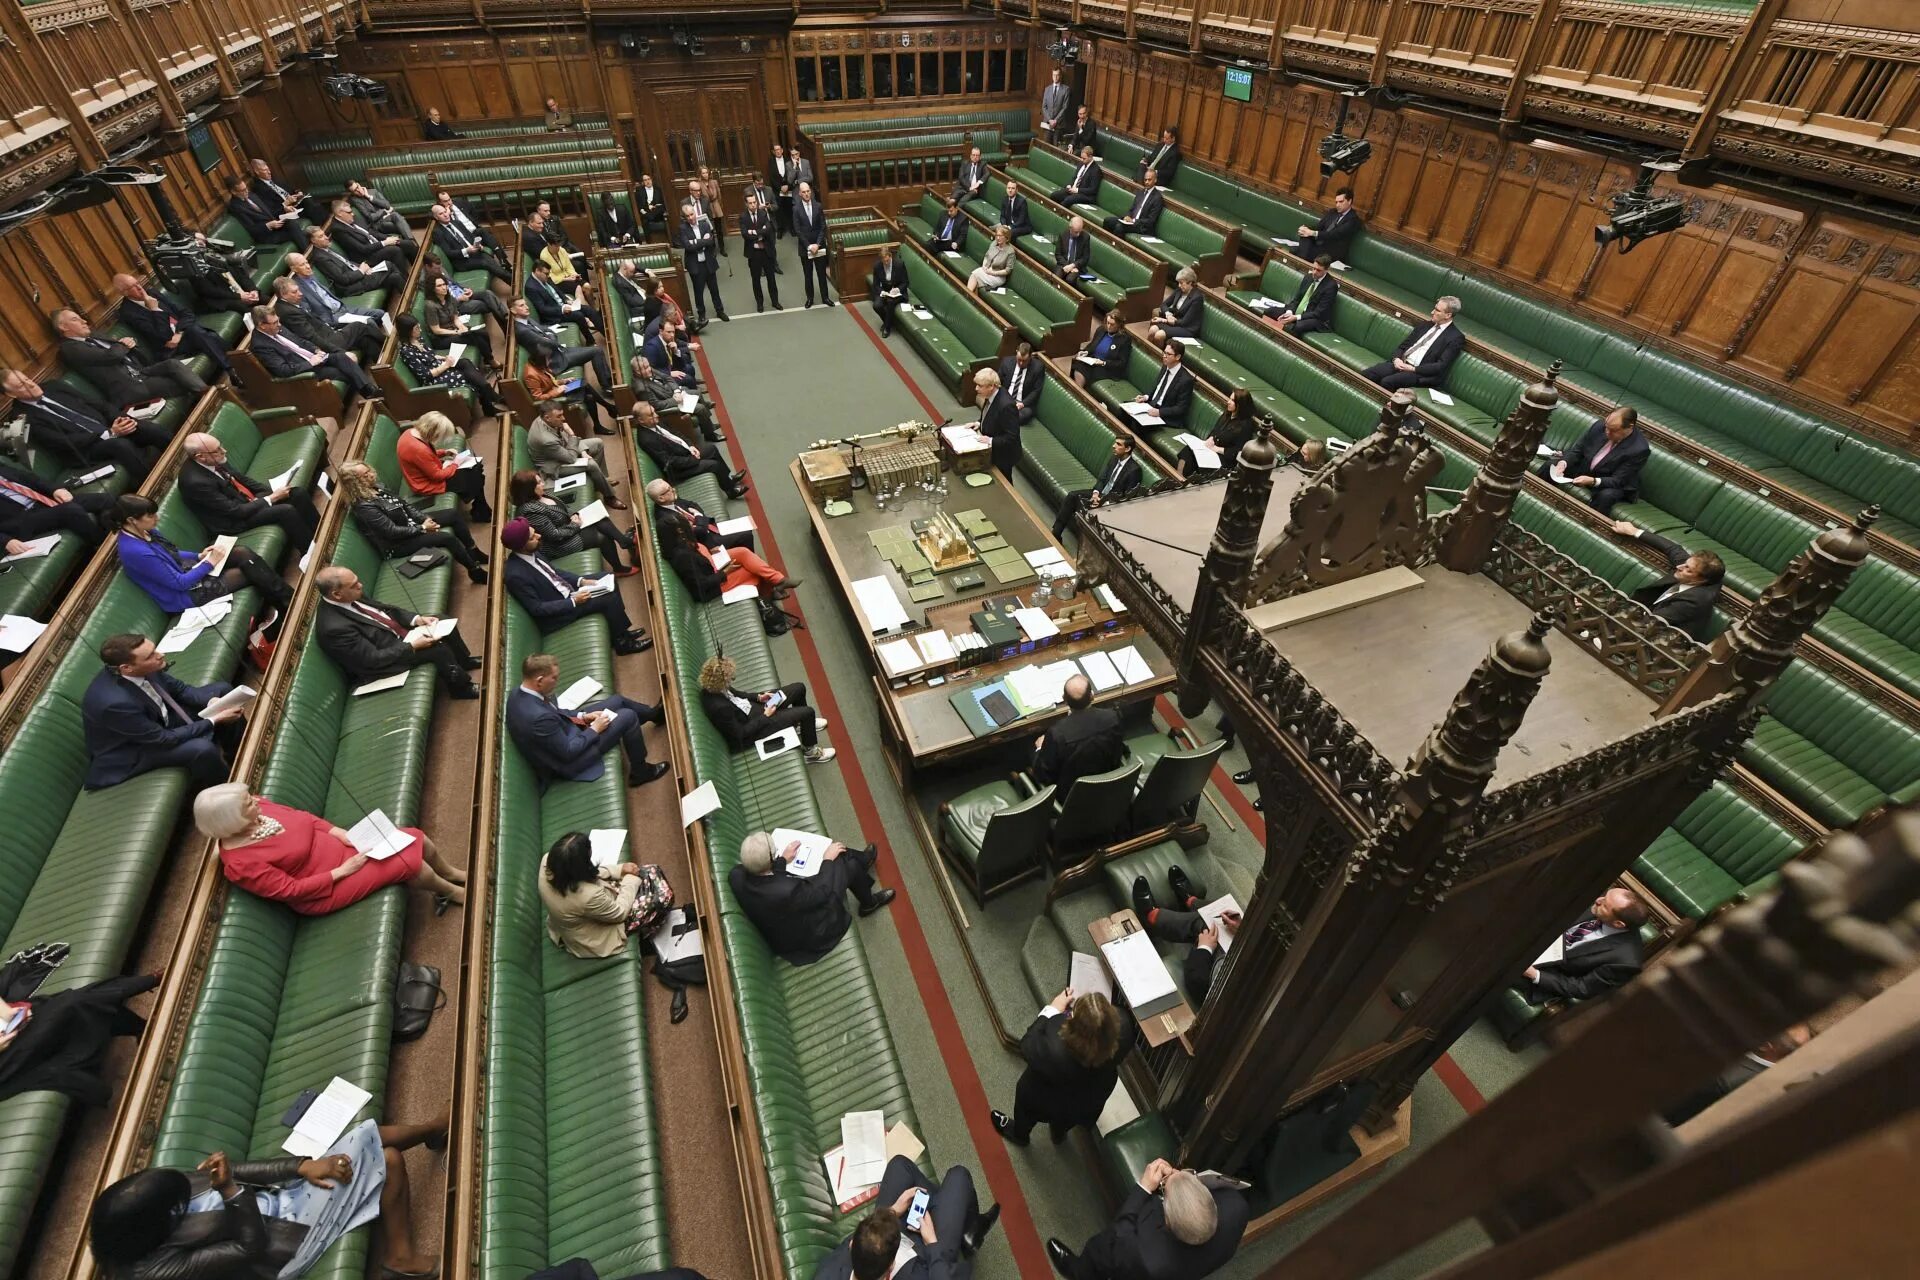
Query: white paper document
point(1202, 454)
point(720, 559)
point(567, 483)
point(456, 352)
point(223, 546)
point(438, 629)
point(739, 524)
point(1212, 912)
point(778, 744)
point(1035, 623)
point(1439, 396)
point(1087, 976)
point(809, 857)
point(1291, 244)
point(396, 681)
point(578, 694)
point(1560, 477)
point(880, 603)
point(948, 253)
point(745, 591)
point(593, 513)
point(899, 656)
point(1100, 671)
point(935, 646)
point(864, 1135)
point(1045, 556)
point(688, 401)
point(466, 458)
point(607, 843)
point(377, 837)
point(1143, 413)
point(1556, 951)
point(964, 438)
point(598, 586)
point(239, 697)
point(923, 313)
point(1132, 667)
point(1338, 265)
point(18, 632)
point(1153, 239)
point(678, 936)
point(1109, 598)
point(325, 1119)
point(1137, 969)
point(34, 548)
point(698, 803)
point(285, 479)
point(98, 474)
point(1084, 358)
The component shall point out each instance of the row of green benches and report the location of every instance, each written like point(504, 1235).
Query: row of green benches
point(361, 139)
point(77, 866)
point(1045, 311)
point(328, 172)
point(1180, 238)
point(1014, 123)
point(1124, 275)
point(904, 157)
point(1782, 445)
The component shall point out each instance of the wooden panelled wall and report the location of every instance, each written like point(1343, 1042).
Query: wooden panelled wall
point(1826, 304)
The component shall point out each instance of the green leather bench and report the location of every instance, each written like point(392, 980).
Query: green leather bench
point(556, 176)
point(1118, 275)
point(1143, 371)
point(894, 159)
point(1831, 751)
point(1034, 301)
point(327, 173)
point(1306, 401)
point(1719, 847)
point(1073, 447)
point(957, 337)
point(1015, 124)
point(569, 1144)
point(1176, 239)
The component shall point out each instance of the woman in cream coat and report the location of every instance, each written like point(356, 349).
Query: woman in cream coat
point(995, 265)
point(588, 907)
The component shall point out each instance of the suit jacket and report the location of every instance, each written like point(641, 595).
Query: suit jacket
point(1063, 1091)
point(358, 645)
point(1620, 469)
point(698, 240)
point(1185, 308)
point(655, 349)
point(440, 132)
point(647, 209)
point(65, 422)
point(1083, 742)
point(1074, 135)
point(1320, 310)
point(692, 522)
point(1136, 1245)
point(963, 183)
point(1196, 973)
point(694, 567)
point(553, 744)
point(551, 451)
point(1688, 608)
point(810, 230)
point(125, 731)
point(11, 511)
point(156, 328)
point(385, 520)
point(1334, 234)
point(1014, 216)
point(615, 226)
point(545, 300)
point(376, 211)
point(884, 278)
point(1000, 423)
point(1145, 210)
point(1036, 377)
point(270, 195)
point(801, 917)
point(1119, 477)
point(342, 276)
point(1594, 966)
point(660, 391)
point(1440, 356)
point(219, 506)
point(536, 595)
point(1055, 99)
point(110, 366)
point(1076, 251)
point(535, 338)
point(277, 358)
point(309, 330)
point(1087, 186)
point(358, 241)
point(677, 458)
point(453, 240)
point(1119, 352)
point(757, 232)
point(1178, 399)
point(776, 179)
point(252, 215)
point(628, 287)
point(735, 725)
point(1167, 165)
point(234, 1242)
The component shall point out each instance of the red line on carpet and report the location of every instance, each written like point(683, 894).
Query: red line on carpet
point(1463, 1090)
point(995, 1164)
point(886, 353)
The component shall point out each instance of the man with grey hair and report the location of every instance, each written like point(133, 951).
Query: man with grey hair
point(370, 640)
point(116, 367)
point(319, 298)
point(362, 245)
point(654, 387)
point(1172, 1226)
point(999, 420)
point(229, 502)
point(798, 903)
point(1427, 354)
point(307, 324)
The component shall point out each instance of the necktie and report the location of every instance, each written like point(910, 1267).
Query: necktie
point(163, 700)
point(546, 570)
point(1580, 932)
point(26, 496)
point(296, 348)
point(1080, 178)
point(234, 480)
point(1160, 388)
point(1107, 482)
point(1605, 449)
point(1013, 387)
point(1419, 349)
point(379, 616)
point(1140, 202)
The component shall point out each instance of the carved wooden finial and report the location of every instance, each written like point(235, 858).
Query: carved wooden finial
point(1469, 530)
point(1230, 556)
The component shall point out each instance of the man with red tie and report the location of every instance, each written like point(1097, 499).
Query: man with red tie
point(368, 640)
point(228, 502)
point(31, 507)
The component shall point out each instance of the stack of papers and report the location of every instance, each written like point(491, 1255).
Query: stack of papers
point(863, 1135)
point(935, 646)
point(1132, 667)
point(698, 803)
point(578, 694)
point(598, 586)
point(1101, 671)
point(678, 936)
point(466, 458)
point(1202, 454)
point(879, 602)
point(1109, 599)
point(325, 1119)
point(607, 843)
point(232, 698)
point(899, 656)
point(34, 548)
point(564, 483)
point(1439, 396)
point(739, 524)
point(187, 628)
point(1036, 624)
point(1143, 413)
point(395, 681)
point(438, 629)
point(456, 352)
point(745, 591)
point(1049, 555)
point(811, 855)
point(964, 439)
point(377, 837)
point(1087, 976)
point(689, 401)
point(18, 632)
point(1139, 972)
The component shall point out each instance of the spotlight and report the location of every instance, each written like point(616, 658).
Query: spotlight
point(1341, 154)
point(346, 86)
point(1065, 50)
point(1635, 214)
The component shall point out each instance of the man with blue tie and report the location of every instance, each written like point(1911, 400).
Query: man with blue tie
point(950, 233)
point(572, 746)
point(555, 597)
point(1121, 476)
point(1144, 214)
point(1085, 187)
point(552, 308)
point(138, 718)
point(1073, 250)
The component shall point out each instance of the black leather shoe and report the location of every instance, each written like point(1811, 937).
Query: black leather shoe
point(1142, 898)
point(725, 318)
point(1185, 892)
point(978, 1230)
point(464, 693)
point(650, 773)
point(477, 576)
point(679, 1011)
point(480, 557)
point(474, 662)
point(1003, 1125)
point(633, 644)
point(877, 902)
point(1259, 806)
point(1060, 1256)
point(1244, 777)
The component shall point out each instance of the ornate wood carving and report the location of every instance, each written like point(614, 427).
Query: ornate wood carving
point(1471, 527)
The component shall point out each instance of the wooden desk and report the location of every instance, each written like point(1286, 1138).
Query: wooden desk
point(1169, 1024)
point(922, 726)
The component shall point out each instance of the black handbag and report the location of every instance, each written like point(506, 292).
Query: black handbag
point(416, 997)
point(421, 561)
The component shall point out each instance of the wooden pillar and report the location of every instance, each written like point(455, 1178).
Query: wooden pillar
point(50, 87)
point(1223, 578)
point(1539, 36)
point(1472, 526)
point(1747, 51)
point(1280, 1010)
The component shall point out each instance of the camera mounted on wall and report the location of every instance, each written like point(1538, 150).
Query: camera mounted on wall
point(346, 86)
point(1637, 213)
point(1065, 50)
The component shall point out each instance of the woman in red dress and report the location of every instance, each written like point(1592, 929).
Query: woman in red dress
point(285, 855)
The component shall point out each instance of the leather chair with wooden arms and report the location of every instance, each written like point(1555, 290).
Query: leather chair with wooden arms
point(995, 836)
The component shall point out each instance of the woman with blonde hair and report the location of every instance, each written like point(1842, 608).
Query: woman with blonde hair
point(744, 718)
point(396, 529)
point(1073, 1051)
point(431, 465)
point(996, 264)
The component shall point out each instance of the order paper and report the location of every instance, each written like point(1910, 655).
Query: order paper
point(325, 1119)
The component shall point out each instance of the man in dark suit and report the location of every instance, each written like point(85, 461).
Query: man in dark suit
point(137, 718)
point(1427, 354)
point(971, 183)
point(553, 308)
point(323, 304)
point(1022, 375)
point(1311, 310)
point(1085, 187)
point(1013, 212)
point(950, 232)
point(613, 225)
point(555, 597)
point(671, 354)
point(270, 193)
point(679, 459)
point(368, 640)
point(1073, 250)
point(464, 218)
point(700, 528)
point(264, 224)
point(311, 325)
point(80, 430)
point(166, 329)
point(942, 1246)
point(1686, 596)
point(1164, 159)
point(1333, 236)
point(572, 746)
point(227, 502)
point(653, 387)
point(285, 356)
point(375, 212)
point(649, 207)
point(1082, 136)
point(465, 250)
point(219, 286)
point(758, 233)
point(435, 129)
point(1118, 478)
point(1087, 741)
point(1600, 952)
point(887, 287)
point(363, 244)
point(115, 366)
point(631, 287)
point(784, 177)
point(560, 357)
point(810, 230)
point(698, 243)
point(1605, 461)
point(1172, 393)
point(803, 917)
point(349, 276)
point(1143, 215)
point(1184, 923)
point(31, 506)
point(1171, 1226)
point(999, 420)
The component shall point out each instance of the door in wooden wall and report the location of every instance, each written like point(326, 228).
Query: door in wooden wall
point(715, 120)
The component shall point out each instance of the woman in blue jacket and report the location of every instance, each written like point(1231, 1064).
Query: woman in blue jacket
point(178, 580)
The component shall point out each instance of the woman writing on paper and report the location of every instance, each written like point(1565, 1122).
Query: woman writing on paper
point(179, 580)
point(1073, 1051)
point(307, 863)
point(266, 1218)
point(591, 909)
point(1230, 434)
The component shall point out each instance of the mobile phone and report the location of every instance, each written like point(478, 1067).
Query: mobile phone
point(917, 1210)
point(777, 699)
